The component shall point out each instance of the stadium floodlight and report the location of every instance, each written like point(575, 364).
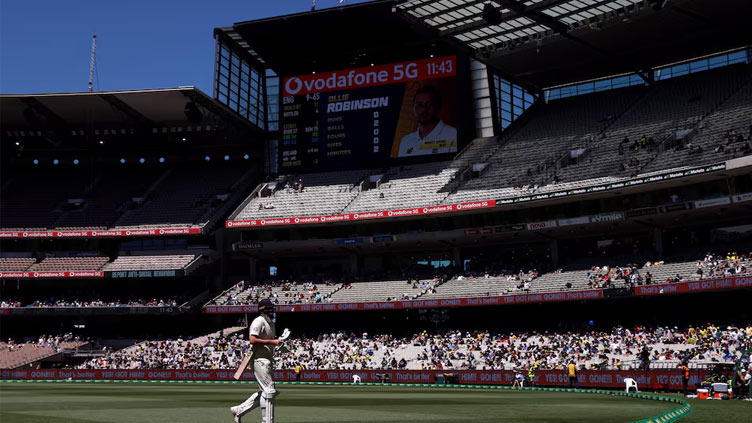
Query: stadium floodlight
point(161, 160)
point(141, 160)
point(246, 157)
point(56, 161)
point(207, 158)
point(122, 161)
point(36, 161)
point(227, 157)
point(75, 161)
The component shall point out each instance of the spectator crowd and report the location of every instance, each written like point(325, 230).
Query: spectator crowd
point(84, 303)
point(620, 348)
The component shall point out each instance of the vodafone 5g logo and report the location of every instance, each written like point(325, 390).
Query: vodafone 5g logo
point(293, 85)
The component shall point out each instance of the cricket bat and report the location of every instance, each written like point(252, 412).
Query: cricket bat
point(243, 365)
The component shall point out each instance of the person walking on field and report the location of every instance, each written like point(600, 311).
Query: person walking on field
point(263, 339)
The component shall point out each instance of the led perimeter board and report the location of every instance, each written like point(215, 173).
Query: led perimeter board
point(368, 116)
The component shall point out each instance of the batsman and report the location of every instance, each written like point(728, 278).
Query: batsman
point(263, 340)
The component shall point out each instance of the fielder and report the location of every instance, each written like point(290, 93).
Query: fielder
point(263, 340)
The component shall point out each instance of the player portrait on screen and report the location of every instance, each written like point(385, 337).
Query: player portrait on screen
point(433, 135)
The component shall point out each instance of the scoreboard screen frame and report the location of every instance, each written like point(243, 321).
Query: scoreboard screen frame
point(357, 118)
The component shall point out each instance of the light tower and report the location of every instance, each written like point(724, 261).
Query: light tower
point(93, 62)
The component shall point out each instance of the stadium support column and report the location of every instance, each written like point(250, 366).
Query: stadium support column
point(353, 264)
point(554, 249)
point(457, 258)
point(658, 241)
point(252, 269)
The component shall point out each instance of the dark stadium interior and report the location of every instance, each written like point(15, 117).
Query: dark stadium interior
point(363, 33)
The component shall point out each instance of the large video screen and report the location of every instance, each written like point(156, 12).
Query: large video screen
point(367, 116)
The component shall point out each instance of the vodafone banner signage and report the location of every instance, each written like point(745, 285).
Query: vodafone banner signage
point(418, 211)
point(437, 303)
point(100, 234)
point(653, 379)
point(41, 275)
point(393, 73)
point(697, 286)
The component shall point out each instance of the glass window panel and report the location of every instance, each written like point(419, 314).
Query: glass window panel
point(699, 65)
point(680, 69)
point(718, 60)
point(585, 88)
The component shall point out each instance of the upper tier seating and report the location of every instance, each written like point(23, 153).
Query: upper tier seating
point(107, 198)
point(66, 264)
point(184, 197)
point(122, 198)
point(733, 114)
point(530, 154)
point(675, 104)
point(34, 200)
point(535, 155)
point(336, 192)
point(404, 185)
point(162, 262)
point(13, 264)
point(322, 194)
point(658, 113)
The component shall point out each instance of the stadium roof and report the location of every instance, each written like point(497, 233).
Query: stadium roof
point(545, 43)
point(535, 43)
point(335, 38)
point(154, 108)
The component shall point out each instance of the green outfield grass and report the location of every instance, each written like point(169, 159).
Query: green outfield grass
point(145, 403)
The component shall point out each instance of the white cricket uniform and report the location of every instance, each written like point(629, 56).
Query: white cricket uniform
point(263, 355)
point(442, 139)
point(263, 369)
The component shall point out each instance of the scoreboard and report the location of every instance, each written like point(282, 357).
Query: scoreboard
point(367, 116)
